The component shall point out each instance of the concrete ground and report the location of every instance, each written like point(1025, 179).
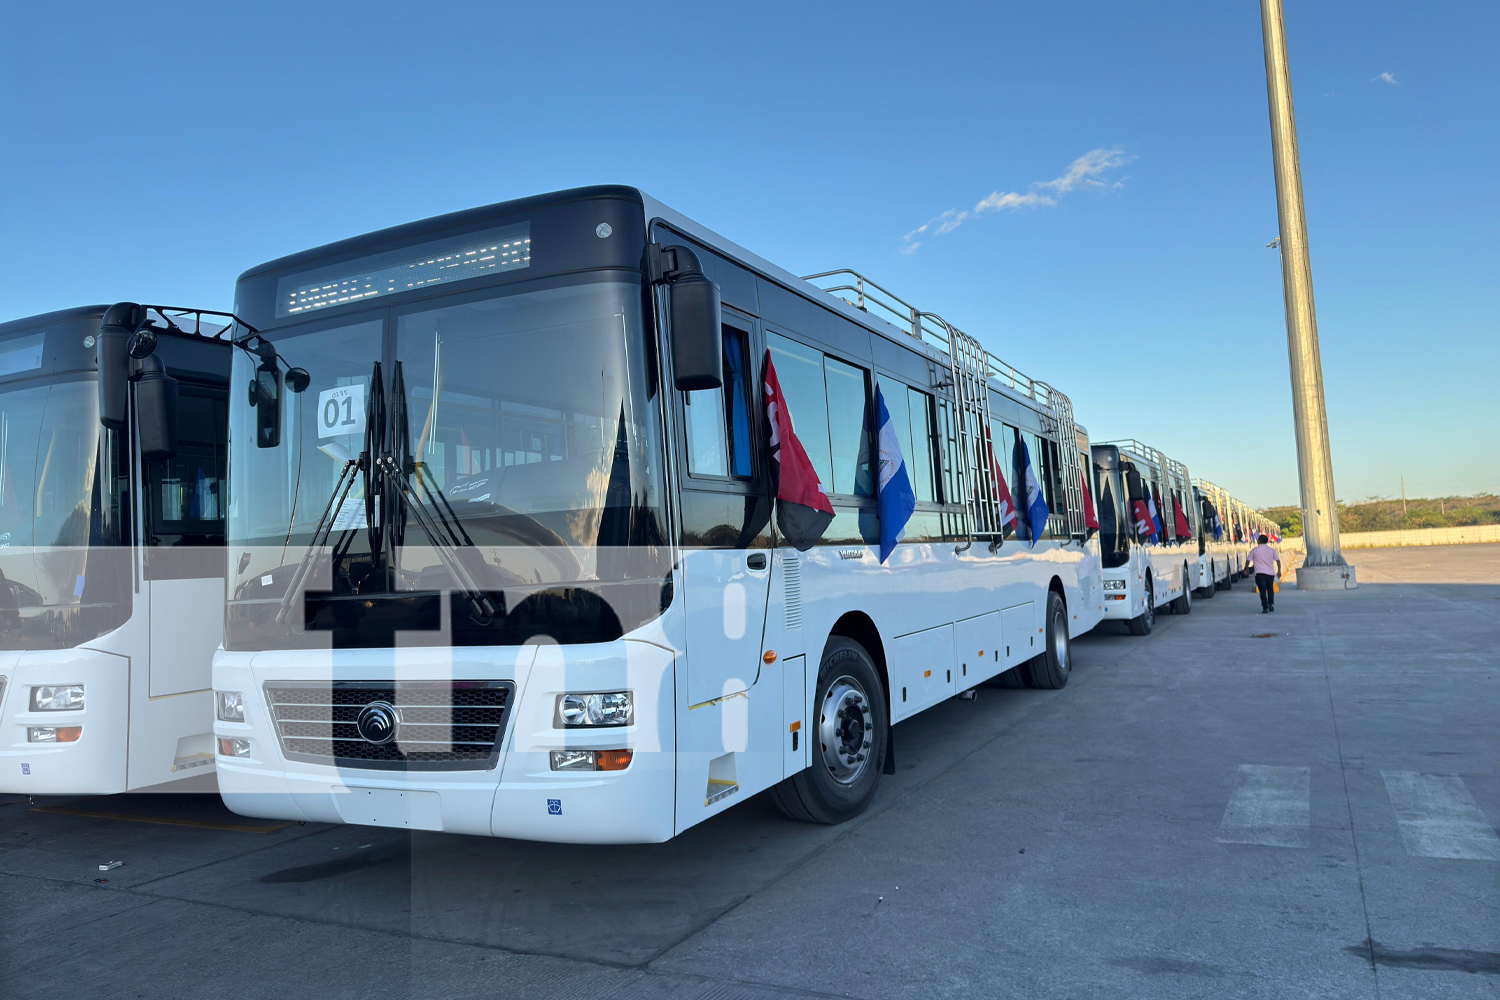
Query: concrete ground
point(1239, 805)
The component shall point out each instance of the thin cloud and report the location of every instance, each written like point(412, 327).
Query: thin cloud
point(1088, 170)
point(1389, 78)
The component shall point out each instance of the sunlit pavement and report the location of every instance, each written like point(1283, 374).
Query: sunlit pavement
point(1240, 804)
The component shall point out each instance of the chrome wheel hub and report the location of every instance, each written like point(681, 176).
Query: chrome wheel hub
point(846, 730)
point(1060, 648)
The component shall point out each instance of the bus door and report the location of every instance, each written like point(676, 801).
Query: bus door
point(726, 535)
point(183, 580)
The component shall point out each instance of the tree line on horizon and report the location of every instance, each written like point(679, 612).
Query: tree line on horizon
point(1384, 514)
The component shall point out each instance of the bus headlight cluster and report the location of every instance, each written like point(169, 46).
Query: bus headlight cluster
point(230, 706)
point(575, 711)
point(1114, 584)
point(57, 698)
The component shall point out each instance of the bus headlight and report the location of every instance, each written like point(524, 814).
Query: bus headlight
point(53, 734)
point(1114, 584)
point(57, 698)
point(230, 706)
point(591, 760)
point(612, 708)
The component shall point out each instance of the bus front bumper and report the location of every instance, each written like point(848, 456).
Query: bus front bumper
point(520, 796)
point(75, 752)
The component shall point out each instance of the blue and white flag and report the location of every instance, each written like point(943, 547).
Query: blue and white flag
point(894, 498)
point(1032, 501)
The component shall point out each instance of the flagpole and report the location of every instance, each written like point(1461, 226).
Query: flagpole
point(1324, 567)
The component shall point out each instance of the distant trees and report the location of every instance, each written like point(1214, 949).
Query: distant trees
point(1380, 514)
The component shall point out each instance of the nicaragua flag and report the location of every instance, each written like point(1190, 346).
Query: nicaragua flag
point(1036, 507)
point(894, 497)
point(1155, 515)
point(1218, 526)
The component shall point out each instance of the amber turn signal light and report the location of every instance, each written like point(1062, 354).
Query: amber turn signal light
point(612, 760)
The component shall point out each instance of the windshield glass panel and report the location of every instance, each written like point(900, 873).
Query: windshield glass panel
point(541, 456)
point(49, 449)
point(278, 494)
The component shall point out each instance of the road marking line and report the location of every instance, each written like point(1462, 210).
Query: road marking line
point(1438, 817)
point(1271, 806)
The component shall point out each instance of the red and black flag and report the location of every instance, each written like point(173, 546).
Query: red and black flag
point(1090, 519)
point(1183, 531)
point(803, 512)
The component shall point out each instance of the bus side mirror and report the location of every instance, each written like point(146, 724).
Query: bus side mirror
point(156, 411)
point(694, 317)
point(265, 396)
point(113, 360)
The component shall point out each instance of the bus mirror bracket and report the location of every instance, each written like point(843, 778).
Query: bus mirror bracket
point(695, 316)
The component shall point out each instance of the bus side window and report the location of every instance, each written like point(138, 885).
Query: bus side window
point(799, 369)
point(951, 454)
point(919, 458)
point(849, 428)
point(718, 420)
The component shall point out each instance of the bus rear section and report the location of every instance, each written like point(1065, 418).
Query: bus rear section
point(507, 560)
point(112, 450)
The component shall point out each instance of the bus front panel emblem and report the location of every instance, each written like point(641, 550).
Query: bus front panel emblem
point(377, 722)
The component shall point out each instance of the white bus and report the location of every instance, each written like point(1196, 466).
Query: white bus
point(511, 564)
point(112, 452)
point(1145, 568)
point(1215, 551)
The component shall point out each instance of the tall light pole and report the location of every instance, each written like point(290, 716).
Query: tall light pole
point(1324, 568)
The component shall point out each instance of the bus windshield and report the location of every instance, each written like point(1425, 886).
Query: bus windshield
point(49, 452)
point(517, 422)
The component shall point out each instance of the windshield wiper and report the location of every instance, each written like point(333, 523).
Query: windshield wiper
point(448, 549)
point(347, 478)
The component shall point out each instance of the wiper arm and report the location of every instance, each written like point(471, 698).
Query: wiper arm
point(324, 528)
point(443, 542)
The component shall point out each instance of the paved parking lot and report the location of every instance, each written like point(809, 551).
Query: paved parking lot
point(1235, 806)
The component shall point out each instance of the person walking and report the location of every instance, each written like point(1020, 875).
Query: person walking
point(1267, 564)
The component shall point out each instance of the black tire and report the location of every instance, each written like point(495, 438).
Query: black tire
point(1183, 604)
point(1015, 677)
point(1212, 590)
point(838, 787)
point(1052, 668)
point(1142, 623)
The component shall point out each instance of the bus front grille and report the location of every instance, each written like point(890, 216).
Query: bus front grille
point(442, 725)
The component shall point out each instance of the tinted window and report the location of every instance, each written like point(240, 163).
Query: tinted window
point(919, 416)
point(848, 427)
point(718, 420)
point(799, 368)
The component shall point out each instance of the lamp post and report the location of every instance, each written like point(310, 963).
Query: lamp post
point(1324, 567)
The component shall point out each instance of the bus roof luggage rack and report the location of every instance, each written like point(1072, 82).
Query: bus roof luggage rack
point(971, 368)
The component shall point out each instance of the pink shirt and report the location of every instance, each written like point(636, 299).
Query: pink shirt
point(1264, 559)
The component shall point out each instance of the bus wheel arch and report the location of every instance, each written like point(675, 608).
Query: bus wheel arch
point(861, 628)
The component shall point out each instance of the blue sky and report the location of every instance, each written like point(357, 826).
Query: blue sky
point(155, 152)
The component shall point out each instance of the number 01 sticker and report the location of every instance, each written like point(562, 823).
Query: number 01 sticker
point(341, 411)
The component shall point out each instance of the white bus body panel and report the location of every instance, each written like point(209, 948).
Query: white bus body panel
point(692, 759)
point(134, 736)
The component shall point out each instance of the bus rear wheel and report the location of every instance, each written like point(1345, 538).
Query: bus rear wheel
point(1183, 604)
point(1142, 623)
point(849, 730)
point(1052, 668)
point(1211, 591)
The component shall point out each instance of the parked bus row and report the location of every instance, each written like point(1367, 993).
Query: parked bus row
point(563, 519)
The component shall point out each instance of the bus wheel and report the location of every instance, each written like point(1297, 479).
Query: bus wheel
point(849, 729)
point(1212, 589)
point(1141, 624)
point(1054, 666)
point(1184, 604)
